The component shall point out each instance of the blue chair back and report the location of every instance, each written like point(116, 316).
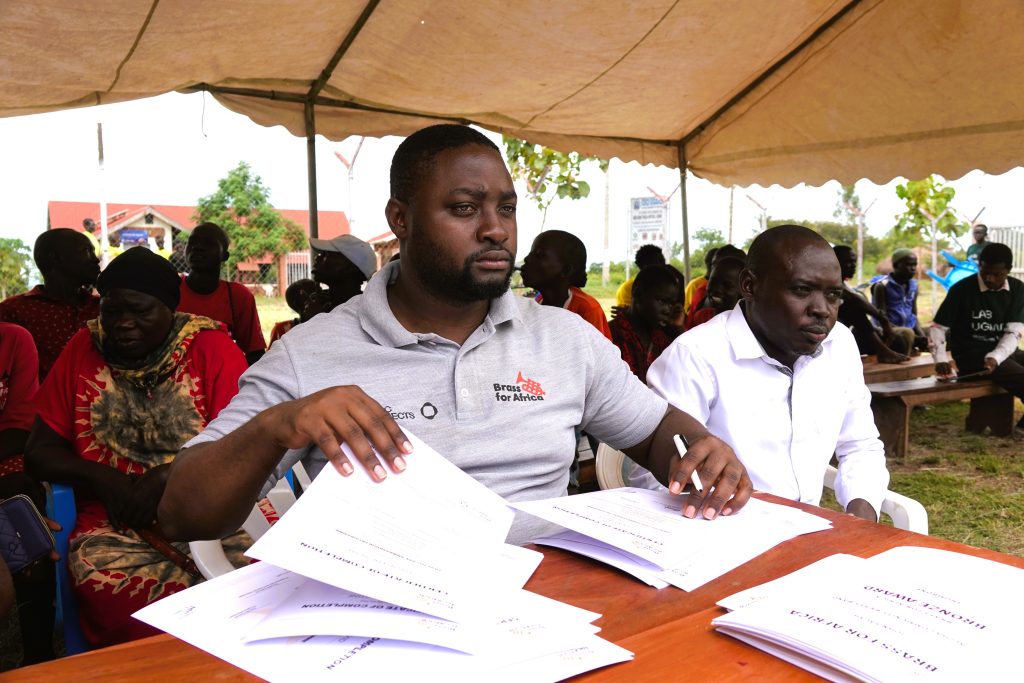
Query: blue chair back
point(60, 507)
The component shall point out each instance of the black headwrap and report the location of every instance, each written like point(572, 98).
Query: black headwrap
point(141, 270)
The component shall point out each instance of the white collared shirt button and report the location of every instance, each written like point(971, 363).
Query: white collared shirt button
point(464, 393)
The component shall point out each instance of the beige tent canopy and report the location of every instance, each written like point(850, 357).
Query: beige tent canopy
point(737, 91)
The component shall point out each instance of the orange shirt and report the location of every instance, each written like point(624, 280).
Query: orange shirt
point(588, 308)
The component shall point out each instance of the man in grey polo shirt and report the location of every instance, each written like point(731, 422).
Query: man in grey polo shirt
point(437, 343)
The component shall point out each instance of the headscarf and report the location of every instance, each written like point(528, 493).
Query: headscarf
point(141, 270)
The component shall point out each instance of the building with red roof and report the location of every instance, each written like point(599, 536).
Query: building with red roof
point(156, 225)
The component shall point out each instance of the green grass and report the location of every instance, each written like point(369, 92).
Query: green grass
point(272, 310)
point(971, 485)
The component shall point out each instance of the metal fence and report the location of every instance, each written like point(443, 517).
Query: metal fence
point(1013, 237)
point(297, 266)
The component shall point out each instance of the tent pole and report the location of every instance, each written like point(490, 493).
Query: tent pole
point(314, 215)
point(683, 202)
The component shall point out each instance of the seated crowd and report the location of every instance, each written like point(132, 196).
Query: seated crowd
point(160, 404)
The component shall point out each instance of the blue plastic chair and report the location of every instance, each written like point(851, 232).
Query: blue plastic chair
point(60, 507)
point(959, 271)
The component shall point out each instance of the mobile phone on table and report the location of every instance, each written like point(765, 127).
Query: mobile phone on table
point(24, 535)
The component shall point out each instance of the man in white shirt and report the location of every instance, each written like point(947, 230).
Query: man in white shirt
point(779, 381)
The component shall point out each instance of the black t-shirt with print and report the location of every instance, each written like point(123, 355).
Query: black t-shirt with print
point(977, 320)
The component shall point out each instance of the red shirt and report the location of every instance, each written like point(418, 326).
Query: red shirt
point(19, 377)
point(232, 304)
point(70, 400)
point(280, 328)
point(51, 323)
point(637, 357)
point(19, 382)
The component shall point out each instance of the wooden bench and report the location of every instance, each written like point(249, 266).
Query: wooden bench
point(917, 366)
point(891, 403)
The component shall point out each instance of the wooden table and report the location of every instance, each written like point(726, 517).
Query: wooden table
point(891, 403)
point(918, 366)
point(669, 630)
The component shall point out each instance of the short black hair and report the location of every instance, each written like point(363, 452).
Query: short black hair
point(653, 277)
point(842, 250)
point(222, 234)
point(762, 254)
point(727, 262)
point(995, 253)
point(572, 253)
point(49, 243)
point(709, 256)
point(414, 156)
point(728, 250)
point(649, 255)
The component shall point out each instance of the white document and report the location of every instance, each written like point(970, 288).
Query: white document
point(910, 614)
point(215, 616)
point(428, 539)
point(602, 552)
point(689, 552)
point(527, 623)
point(827, 570)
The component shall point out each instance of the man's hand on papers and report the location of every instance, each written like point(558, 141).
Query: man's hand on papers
point(727, 487)
point(339, 415)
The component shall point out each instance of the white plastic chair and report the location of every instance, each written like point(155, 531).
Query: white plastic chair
point(209, 555)
point(906, 513)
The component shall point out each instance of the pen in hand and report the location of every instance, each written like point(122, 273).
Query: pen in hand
point(681, 447)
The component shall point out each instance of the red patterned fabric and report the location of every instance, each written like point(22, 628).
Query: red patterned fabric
point(51, 323)
point(109, 421)
point(637, 357)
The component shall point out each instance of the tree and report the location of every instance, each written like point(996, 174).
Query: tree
point(241, 205)
point(547, 173)
point(848, 209)
point(15, 266)
point(707, 238)
point(928, 213)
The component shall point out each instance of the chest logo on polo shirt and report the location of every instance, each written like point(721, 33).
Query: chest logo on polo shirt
point(523, 390)
point(400, 414)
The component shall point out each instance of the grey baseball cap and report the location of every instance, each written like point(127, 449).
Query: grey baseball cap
point(355, 250)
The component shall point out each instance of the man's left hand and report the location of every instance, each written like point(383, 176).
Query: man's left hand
point(859, 507)
point(727, 487)
point(991, 364)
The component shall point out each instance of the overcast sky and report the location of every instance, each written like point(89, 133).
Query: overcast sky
point(172, 149)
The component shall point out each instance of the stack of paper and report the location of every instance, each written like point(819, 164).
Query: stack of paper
point(408, 577)
point(643, 533)
point(908, 614)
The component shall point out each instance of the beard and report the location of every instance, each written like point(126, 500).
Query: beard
point(455, 283)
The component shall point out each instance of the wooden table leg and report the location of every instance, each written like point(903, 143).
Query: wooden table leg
point(994, 412)
point(892, 419)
